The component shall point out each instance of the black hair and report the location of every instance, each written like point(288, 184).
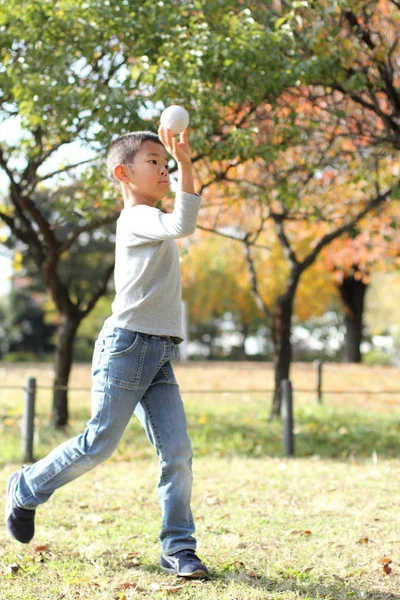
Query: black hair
point(123, 149)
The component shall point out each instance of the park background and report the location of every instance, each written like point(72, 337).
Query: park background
point(295, 130)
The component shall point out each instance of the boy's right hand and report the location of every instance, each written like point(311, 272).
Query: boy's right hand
point(180, 151)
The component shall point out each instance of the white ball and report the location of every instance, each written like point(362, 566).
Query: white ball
point(175, 118)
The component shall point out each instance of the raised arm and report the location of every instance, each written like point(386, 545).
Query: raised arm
point(180, 150)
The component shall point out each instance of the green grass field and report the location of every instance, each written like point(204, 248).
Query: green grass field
point(322, 525)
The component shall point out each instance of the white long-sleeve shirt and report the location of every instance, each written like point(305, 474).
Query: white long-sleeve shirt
point(147, 270)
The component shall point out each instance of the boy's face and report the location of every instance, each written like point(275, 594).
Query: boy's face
point(148, 177)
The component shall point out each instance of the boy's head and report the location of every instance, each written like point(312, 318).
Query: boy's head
point(137, 162)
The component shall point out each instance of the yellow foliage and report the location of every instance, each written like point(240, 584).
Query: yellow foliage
point(216, 280)
point(17, 261)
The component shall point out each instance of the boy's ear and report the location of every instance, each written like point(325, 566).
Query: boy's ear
point(120, 173)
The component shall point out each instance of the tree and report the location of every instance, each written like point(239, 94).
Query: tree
point(352, 264)
point(217, 281)
point(66, 259)
point(347, 80)
point(299, 197)
point(350, 55)
point(78, 73)
point(349, 52)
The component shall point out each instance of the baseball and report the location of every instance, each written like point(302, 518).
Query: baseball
point(175, 118)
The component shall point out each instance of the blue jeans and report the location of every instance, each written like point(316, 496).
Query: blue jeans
point(131, 373)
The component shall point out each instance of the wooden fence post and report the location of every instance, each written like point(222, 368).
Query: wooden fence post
point(287, 417)
point(28, 419)
point(318, 369)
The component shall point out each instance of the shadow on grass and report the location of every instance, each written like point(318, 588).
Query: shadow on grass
point(302, 585)
point(305, 588)
point(337, 434)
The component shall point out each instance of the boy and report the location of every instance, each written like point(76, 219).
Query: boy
point(131, 367)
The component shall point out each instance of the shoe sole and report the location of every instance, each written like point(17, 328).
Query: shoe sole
point(11, 483)
point(199, 574)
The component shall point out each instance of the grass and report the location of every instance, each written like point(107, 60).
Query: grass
point(315, 527)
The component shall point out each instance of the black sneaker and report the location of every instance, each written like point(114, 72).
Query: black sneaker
point(184, 563)
point(20, 522)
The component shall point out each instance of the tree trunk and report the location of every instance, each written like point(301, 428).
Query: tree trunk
point(242, 348)
point(62, 368)
point(352, 292)
point(282, 324)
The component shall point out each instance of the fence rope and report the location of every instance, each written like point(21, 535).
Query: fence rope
point(215, 391)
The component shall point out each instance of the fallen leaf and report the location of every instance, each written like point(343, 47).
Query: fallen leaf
point(13, 569)
point(366, 540)
point(307, 569)
point(387, 568)
point(131, 559)
point(387, 565)
point(134, 562)
point(126, 586)
point(43, 548)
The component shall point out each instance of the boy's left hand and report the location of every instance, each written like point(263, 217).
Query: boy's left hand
point(180, 150)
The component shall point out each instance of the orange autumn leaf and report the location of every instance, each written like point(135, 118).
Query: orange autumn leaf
point(126, 586)
point(42, 548)
point(387, 565)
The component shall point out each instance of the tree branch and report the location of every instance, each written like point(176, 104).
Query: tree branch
point(64, 170)
point(328, 238)
point(27, 236)
point(254, 281)
point(73, 236)
point(44, 227)
point(230, 236)
point(362, 33)
point(281, 234)
point(6, 169)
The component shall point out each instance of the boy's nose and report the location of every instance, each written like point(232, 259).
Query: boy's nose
point(164, 171)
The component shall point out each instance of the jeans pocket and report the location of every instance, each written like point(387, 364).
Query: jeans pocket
point(124, 342)
point(168, 373)
point(126, 359)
